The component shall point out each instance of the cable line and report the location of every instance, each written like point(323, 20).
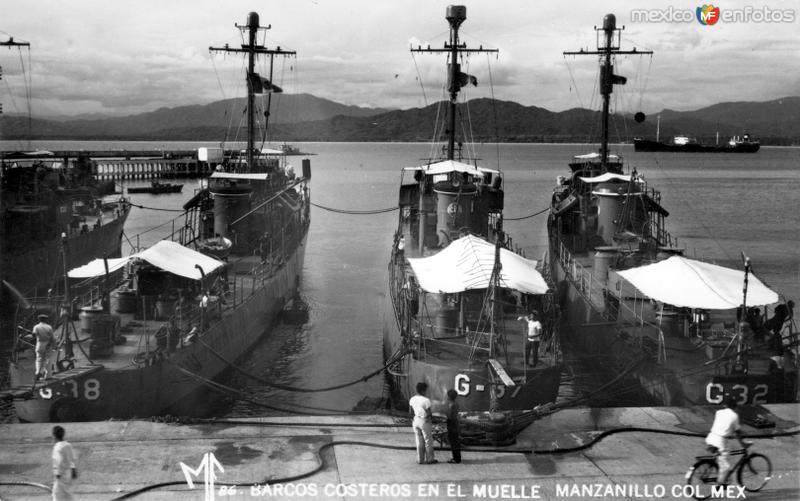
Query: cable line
point(357, 212)
point(526, 217)
point(155, 208)
point(272, 384)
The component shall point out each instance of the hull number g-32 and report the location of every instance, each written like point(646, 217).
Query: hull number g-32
point(716, 392)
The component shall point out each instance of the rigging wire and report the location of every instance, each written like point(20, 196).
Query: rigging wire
point(494, 111)
point(685, 202)
point(419, 79)
point(573, 83)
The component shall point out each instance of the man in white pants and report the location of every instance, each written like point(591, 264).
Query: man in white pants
point(422, 424)
point(64, 471)
point(44, 340)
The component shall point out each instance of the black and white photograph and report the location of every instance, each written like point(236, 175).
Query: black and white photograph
point(410, 250)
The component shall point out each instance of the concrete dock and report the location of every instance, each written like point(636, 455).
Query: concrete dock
point(372, 457)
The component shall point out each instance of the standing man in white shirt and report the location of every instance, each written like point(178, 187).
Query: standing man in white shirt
point(422, 424)
point(534, 337)
point(64, 471)
point(45, 339)
point(726, 426)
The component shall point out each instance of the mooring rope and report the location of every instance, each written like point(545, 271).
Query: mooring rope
point(155, 208)
point(357, 212)
point(526, 217)
point(273, 384)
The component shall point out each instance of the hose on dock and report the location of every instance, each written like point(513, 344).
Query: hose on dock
point(26, 484)
point(507, 450)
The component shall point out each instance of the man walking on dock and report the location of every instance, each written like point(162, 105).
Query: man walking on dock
point(64, 471)
point(422, 424)
point(44, 340)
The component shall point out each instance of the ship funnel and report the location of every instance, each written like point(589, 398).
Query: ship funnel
point(456, 14)
point(252, 20)
point(609, 22)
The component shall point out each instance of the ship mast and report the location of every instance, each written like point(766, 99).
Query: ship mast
point(608, 43)
point(254, 81)
point(455, 15)
point(12, 43)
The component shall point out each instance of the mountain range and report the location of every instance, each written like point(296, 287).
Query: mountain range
point(303, 117)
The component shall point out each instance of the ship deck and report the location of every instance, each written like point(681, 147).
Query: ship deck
point(687, 350)
point(471, 346)
point(138, 332)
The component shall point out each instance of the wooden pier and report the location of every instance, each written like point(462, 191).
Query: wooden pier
point(119, 165)
point(150, 168)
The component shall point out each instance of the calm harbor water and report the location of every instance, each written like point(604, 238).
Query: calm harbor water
point(720, 205)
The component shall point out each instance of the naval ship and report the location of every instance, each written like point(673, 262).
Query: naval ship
point(156, 327)
point(458, 291)
point(684, 331)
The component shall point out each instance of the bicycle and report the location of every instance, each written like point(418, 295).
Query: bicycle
point(753, 471)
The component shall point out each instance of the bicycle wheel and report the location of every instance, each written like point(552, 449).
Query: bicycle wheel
point(754, 472)
point(702, 476)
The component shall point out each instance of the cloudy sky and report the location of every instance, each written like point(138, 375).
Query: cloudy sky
point(125, 57)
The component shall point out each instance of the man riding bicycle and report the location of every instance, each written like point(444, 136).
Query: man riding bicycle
point(726, 425)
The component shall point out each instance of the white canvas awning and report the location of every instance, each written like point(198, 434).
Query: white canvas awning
point(258, 176)
point(694, 284)
point(595, 156)
point(604, 178)
point(169, 256)
point(448, 166)
point(467, 263)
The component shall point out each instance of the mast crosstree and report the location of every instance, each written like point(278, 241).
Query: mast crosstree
point(455, 15)
point(608, 45)
point(255, 83)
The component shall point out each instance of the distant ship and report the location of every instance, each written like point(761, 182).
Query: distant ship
point(156, 188)
point(685, 330)
point(457, 289)
point(687, 144)
point(157, 326)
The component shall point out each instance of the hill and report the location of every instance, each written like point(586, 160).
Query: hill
point(307, 118)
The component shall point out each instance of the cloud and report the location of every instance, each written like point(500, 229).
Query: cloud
point(115, 58)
